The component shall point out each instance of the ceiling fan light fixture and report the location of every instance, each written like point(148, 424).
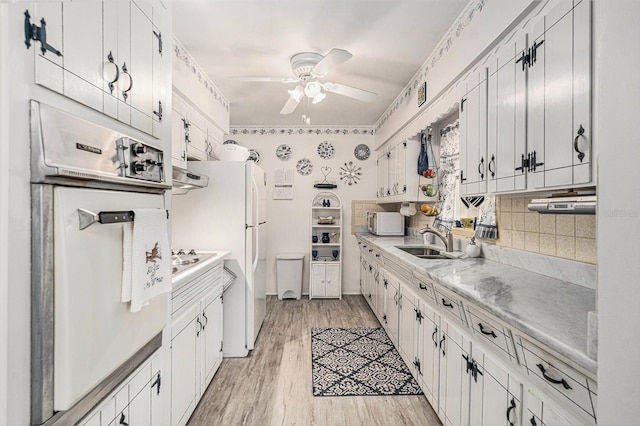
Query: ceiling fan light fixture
point(318, 98)
point(296, 94)
point(312, 89)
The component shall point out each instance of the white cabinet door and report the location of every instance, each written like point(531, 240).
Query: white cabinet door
point(561, 67)
point(383, 175)
point(506, 118)
point(495, 395)
point(401, 168)
point(407, 326)
point(140, 399)
point(141, 68)
point(183, 366)
point(332, 278)
point(391, 307)
point(392, 172)
point(197, 145)
point(540, 413)
point(317, 285)
point(48, 66)
point(454, 381)
point(211, 339)
point(83, 58)
point(473, 134)
point(430, 353)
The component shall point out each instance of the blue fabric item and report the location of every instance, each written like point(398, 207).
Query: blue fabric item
point(423, 158)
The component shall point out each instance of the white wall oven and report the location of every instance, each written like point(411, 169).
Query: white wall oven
point(86, 181)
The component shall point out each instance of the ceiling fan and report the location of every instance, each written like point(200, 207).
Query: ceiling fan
point(308, 68)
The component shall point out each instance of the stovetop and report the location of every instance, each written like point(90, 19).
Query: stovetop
point(181, 260)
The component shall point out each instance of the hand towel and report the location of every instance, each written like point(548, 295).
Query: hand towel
point(146, 270)
point(486, 226)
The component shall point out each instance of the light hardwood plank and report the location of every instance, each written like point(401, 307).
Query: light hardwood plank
point(272, 386)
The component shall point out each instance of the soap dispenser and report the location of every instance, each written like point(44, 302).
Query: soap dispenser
point(473, 250)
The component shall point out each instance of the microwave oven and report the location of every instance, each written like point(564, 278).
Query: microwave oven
point(385, 223)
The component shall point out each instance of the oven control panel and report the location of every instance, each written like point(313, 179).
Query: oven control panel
point(139, 160)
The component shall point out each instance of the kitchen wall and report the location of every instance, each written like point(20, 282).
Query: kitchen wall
point(566, 236)
point(289, 220)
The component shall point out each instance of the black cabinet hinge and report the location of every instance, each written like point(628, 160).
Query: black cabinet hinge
point(419, 315)
point(524, 58)
point(416, 363)
point(157, 382)
point(37, 33)
point(159, 37)
point(534, 52)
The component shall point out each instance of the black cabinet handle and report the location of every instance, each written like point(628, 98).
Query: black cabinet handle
point(481, 165)
point(206, 320)
point(159, 37)
point(122, 420)
point(111, 83)
point(509, 410)
point(157, 382)
point(575, 143)
point(422, 286)
point(158, 113)
point(125, 71)
point(533, 421)
point(462, 178)
point(488, 333)
point(493, 161)
point(442, 343)
point(447, 304)
point(200, 326)
point(433, 337)
point(562, 382)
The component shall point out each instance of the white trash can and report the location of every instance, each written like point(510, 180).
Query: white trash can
point(289, 275)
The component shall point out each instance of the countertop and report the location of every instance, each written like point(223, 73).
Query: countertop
point(209, 259)
point(549, 310)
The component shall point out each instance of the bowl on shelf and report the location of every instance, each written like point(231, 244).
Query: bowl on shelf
point(429, 209)
point(325, 220)
point(231, 152)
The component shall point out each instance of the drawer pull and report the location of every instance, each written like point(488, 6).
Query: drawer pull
point(488, 333)
point(447, 304)
point(442, 344)
point(509, 410)
point(423, 287)
point(562, 382)
point(433, 337)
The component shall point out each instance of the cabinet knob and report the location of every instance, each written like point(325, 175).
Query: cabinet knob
point(575, 143)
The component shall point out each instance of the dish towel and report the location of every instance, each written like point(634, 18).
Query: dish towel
point(486, 226)
point(146, 269)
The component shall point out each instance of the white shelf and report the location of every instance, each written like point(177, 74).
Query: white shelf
point(318, 225)
point(325, 244)
point(325, 273)
point(327, 208)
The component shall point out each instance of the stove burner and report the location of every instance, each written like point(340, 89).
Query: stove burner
point(182, 261)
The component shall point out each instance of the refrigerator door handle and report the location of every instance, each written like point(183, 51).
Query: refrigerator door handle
point(256, 249)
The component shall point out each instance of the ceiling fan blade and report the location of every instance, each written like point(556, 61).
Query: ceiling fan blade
point(330, 61)
point(352, 92)
point(267, 79)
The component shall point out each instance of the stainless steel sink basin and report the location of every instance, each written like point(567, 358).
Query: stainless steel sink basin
point(423, 252)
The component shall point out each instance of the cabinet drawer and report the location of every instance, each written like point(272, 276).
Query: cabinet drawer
point(450, 304)
point(498, 336)
point(426, 287)
point(557, 378)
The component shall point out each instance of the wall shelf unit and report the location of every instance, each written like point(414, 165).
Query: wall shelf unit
point(325, 268)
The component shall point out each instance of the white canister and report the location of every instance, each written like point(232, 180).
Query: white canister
point(472, 250)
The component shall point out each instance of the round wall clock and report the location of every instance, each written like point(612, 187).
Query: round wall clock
point(361, 152)
point(254, 156)
point(283, 152)
point(326, 150)
point(304, 166)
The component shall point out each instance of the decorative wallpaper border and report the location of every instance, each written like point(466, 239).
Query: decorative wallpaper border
point(441, 49)
point(297, 130)
point(187, 60)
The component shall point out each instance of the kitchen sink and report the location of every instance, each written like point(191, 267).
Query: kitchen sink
point(422, 252)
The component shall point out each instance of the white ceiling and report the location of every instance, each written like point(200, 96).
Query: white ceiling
point(389, 40)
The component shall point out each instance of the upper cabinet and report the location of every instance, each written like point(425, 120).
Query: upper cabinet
point(398, 179)
point(539, 104)
point(525, 110)
point(108, 56)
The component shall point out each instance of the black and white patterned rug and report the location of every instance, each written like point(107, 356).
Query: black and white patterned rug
point(358, 361)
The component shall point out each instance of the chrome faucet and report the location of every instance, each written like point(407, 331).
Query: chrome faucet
point(447, 239)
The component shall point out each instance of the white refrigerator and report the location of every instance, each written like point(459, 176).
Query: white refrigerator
point(230, 214)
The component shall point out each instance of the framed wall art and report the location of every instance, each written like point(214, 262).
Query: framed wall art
point(422, 94)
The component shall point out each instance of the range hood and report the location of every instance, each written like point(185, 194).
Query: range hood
point(580, 204)
point(184, 181)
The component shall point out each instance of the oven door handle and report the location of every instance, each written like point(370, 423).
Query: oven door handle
point(88, 218)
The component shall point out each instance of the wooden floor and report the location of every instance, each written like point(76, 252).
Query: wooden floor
point(272, 386)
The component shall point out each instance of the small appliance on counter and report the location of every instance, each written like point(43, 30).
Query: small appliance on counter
point(385, 223)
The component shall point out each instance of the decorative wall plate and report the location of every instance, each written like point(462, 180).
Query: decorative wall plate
point(362, 152)
point(230, 142)
point(304, 166)
point(254, 156)
point(283, 152)
point(326, 150)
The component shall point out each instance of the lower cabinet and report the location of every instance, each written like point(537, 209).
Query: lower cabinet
point(196, 354)
point(466, 362)
point(325, 280)
point(140, 400)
